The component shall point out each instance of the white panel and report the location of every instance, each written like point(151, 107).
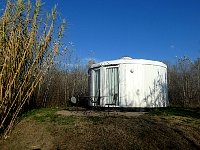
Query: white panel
point(130, 81)
point(122, 85)
point(155, 86)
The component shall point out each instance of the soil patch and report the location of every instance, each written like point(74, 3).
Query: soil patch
point(99, 113)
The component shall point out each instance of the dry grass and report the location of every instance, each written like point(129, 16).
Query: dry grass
point(46, 129)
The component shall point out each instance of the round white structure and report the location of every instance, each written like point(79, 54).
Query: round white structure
point(129, 83)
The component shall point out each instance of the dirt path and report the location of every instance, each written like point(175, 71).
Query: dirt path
point(99, 113)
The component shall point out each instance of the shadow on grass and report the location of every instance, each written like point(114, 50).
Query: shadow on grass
point(49, 115)
point(177, 111)
point(96, 119)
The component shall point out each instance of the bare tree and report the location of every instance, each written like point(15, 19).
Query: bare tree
point(184, 82)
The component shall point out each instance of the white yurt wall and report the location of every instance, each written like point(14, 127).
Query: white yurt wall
point(138, 83)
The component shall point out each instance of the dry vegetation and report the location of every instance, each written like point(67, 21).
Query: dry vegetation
point(161, 129)
point(28, 45)
point(184, 82)
point(61, 84)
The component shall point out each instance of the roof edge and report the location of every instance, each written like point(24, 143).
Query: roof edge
point(128, 61)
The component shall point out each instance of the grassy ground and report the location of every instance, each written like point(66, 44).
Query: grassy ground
point(171, 128)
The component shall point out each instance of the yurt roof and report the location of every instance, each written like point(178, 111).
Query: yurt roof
point(128, 60)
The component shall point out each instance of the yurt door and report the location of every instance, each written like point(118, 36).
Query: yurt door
point(97, 84)
point(112, 84)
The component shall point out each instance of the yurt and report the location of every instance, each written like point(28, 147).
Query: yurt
point(128, 82)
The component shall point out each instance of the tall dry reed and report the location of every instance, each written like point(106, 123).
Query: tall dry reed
point(28, 46)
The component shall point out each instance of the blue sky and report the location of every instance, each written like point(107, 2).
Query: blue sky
point(148, 29)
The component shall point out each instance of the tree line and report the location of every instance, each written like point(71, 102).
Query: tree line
point(184, 82)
